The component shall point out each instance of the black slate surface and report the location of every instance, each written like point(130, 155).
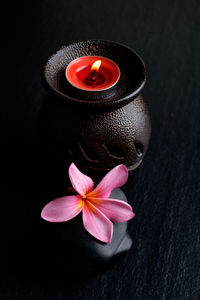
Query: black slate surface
point(164, 261)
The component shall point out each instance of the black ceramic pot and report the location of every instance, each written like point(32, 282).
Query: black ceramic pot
point(97, 131)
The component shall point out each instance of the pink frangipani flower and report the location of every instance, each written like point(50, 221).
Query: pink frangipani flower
point(98, 210)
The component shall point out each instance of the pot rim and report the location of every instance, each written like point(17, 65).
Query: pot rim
point(100, 102)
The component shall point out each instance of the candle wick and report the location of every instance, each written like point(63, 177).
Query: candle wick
point(93, 74)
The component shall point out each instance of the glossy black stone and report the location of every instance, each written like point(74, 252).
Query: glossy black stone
point(75, 236)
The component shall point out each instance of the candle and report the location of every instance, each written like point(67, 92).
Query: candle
point(92, 73)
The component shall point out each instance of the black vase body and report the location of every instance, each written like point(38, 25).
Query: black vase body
point(96, 131)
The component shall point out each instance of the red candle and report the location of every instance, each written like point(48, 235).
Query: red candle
point(92, 73)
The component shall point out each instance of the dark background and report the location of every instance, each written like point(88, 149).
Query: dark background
point(164, 191)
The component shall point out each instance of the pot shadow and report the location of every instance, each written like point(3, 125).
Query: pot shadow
point(30, 251)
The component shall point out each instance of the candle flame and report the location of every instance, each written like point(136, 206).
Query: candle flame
point(96, 65)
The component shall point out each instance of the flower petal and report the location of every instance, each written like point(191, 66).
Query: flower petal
point(81, 183)
point(62, 209)
point(96, 223)
point(114, 209)
point(112, 180)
